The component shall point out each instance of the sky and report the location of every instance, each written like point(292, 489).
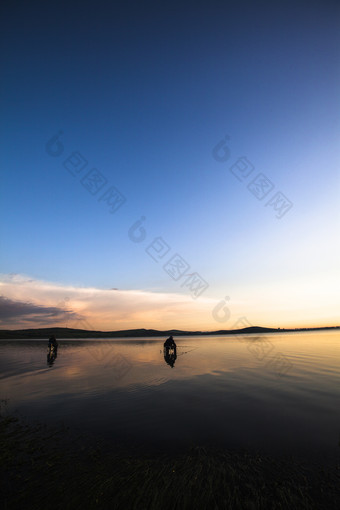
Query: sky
point(170, 165)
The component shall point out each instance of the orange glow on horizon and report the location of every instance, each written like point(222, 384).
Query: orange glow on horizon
point(44, 304)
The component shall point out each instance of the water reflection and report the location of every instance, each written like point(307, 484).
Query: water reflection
point(52, 354)
point(220, 391)
point(52, 351)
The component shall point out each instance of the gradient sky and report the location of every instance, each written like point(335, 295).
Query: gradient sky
point(144, 93)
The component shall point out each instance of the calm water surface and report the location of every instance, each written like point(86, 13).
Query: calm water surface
point(277, 393)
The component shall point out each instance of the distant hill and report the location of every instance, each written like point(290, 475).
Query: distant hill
point(135, 333)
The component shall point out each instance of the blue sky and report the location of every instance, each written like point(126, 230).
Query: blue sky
point(145, 93)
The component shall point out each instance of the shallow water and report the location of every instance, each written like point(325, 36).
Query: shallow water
point(276, 393)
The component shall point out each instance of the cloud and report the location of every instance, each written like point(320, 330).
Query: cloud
point(38, 303)
point(33, 303)
point(19, 312)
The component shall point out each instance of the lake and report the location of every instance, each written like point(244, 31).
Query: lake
point(276, 393)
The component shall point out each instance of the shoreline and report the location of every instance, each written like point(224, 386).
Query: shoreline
point(72, 334)
point(44, 466)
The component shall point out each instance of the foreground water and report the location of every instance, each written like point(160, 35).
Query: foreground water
point(275, 393)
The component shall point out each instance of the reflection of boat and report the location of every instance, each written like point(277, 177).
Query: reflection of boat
point(52, 350)
point(170, 350)
point(170, 354)
point(52, 353)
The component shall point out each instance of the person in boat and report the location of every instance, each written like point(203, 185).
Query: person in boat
point(170, 354)
point(170, 343)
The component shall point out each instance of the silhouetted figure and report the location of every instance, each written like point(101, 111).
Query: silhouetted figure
point(170, 351)
point(170, 342)
point(52, 350)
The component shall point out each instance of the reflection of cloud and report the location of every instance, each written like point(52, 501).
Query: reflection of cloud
point(13, 311)
point(74, 371)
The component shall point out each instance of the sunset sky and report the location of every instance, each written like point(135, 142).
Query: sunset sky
point(215, 125)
